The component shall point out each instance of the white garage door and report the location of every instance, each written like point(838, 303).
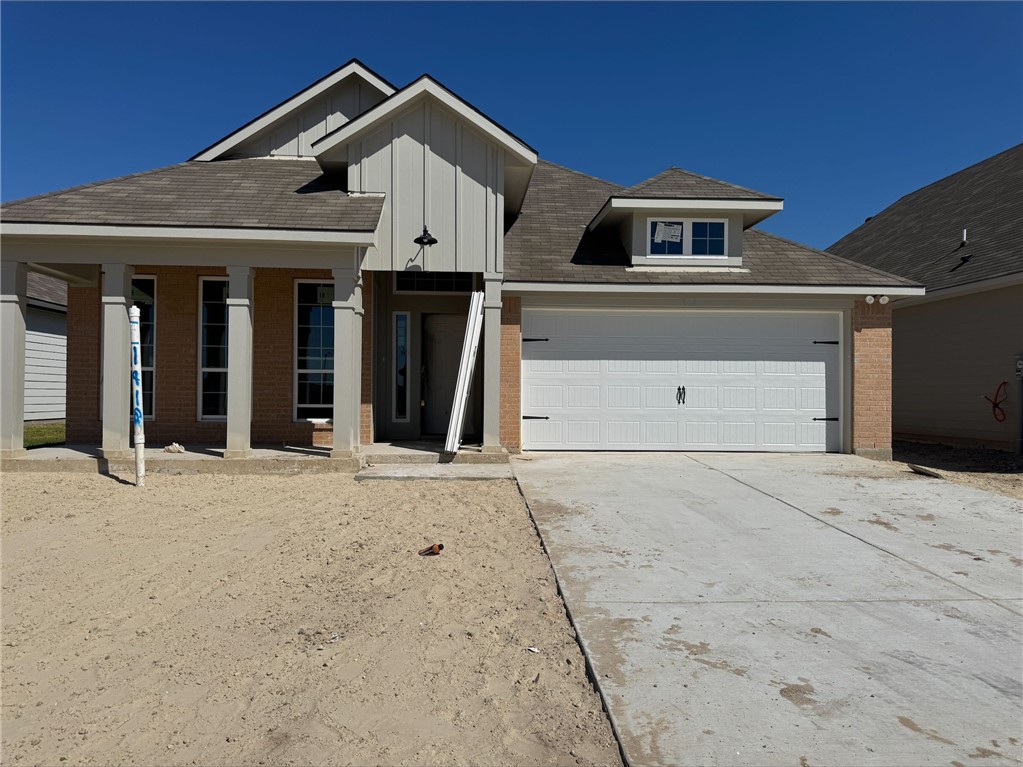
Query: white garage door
point(685, 380)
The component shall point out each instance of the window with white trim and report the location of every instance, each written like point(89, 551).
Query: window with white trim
point(685, 237)
point(401, 357)
point(213, 348)
point(314, 350)
point(143, 295)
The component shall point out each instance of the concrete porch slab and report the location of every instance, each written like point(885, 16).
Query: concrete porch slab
point(417, 471)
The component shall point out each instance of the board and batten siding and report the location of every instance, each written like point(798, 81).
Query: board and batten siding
point(293, 135)
point(438, 172)
point(45, 364)
point(947, 357)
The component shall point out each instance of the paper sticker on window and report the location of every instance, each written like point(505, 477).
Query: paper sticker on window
point(668, 232)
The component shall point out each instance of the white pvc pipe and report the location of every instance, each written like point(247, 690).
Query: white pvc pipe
point(139, 434)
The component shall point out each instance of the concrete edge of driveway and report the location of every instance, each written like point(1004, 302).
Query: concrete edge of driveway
point(590, 671)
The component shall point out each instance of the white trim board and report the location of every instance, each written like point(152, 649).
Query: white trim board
point(767, 207)
point(190, 233)
point(353, 130)
point(519, 288)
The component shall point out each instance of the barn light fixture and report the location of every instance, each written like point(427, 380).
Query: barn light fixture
point(425, 238)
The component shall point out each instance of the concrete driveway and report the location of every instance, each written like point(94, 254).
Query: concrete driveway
point(755, 609)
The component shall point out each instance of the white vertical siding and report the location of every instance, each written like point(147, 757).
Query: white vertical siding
point(439, 172)
point(45, 364)
point(294, 135)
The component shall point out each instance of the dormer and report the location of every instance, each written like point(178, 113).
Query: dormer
point(682, 219)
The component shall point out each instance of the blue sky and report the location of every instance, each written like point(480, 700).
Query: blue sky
point(840, 108)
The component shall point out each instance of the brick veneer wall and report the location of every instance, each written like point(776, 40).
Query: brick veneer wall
point(872, 379)
point(177, 340)
point(84, 311)
point(511, 373)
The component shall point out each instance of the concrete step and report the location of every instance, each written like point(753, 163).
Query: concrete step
point(441, 471)
point(409, 456)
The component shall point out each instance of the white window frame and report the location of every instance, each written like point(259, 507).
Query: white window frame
point(199, 367)
point(394, 367)
point(687, 236)
point(294, 352)
point(150, 416)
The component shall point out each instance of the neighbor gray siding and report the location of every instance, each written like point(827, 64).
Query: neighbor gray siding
point(947, 357)
point(45, 364)
point(438, 172)
point(294, 135)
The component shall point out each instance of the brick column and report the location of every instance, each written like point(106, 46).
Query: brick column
point(511, 373)
point(872, 380)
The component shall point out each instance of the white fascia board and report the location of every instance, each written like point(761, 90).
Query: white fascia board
point(515, 288)
point(682, 204)
point(982, 286)
point(295, 102)
point(188, 233)
point(367, 121)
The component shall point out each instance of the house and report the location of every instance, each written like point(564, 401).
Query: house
point(958, 351)
point(45, 347)
point(307, 279)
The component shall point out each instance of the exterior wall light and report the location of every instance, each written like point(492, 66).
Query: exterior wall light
point(883, 300)
point(425, 238)
point(869, 299)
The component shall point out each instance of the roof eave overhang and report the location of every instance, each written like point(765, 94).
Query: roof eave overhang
point(753, 211)
point(187, 233)
point(352, 68)
point(857, 291)
point(957, 291)
point(326, 147)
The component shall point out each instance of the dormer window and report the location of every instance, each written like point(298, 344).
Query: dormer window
point(682, 237)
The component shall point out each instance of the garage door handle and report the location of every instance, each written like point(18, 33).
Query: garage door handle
point(825, 419)
point(680, 396)
point(536, 418)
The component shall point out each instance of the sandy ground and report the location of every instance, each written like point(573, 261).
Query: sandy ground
point(274, 620)
point(993, 470)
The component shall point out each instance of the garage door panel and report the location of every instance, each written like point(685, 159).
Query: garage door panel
point(753, 381)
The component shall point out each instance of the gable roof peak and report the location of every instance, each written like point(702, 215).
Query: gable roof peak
point(677, 183)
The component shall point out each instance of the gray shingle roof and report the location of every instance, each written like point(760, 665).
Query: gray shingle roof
point(675, 183)
point(244, 194)
point(43, 287)
point(918, 236)
point(549, 242)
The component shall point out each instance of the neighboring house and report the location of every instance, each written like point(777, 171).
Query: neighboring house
point(290, 293)
point(958, 351)
point(45, 347)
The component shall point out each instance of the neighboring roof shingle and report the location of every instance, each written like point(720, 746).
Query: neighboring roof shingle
point(237, 194)
point(675, 183)
point(549, 242)
point(919, 235)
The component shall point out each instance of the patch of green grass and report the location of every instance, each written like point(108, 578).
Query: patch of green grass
point(44, 434)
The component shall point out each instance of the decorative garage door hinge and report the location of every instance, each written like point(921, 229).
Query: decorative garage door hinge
point(826, 419)
point(536, 418)
point(832, 343)
point(527, 340)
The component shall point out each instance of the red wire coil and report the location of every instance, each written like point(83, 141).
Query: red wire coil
point(996, 404)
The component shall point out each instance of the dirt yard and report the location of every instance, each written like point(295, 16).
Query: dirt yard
point(275, 620)
point(993, 470)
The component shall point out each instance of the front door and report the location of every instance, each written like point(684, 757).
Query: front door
point(443, 335)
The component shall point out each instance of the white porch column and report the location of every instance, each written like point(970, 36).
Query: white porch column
point(239, 362)
point(492, 363)
point(348, 313)
point(13, 284)
point(116, 375)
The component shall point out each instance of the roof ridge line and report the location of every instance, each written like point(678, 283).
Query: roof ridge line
point(834, 257)
point(93, 184)
point(638, 186)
